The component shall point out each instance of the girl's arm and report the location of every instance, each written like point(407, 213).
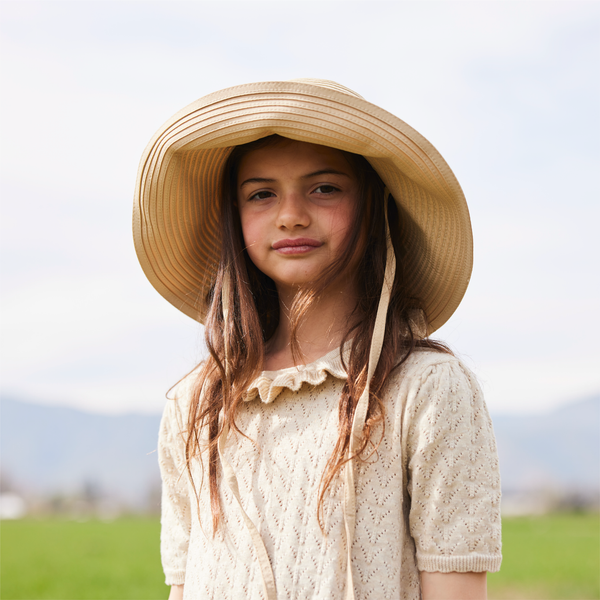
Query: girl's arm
point(453, 586)
point(453, 482)
point(176, 592)
point(175, 503)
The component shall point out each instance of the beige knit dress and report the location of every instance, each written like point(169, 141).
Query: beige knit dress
point(428, 500)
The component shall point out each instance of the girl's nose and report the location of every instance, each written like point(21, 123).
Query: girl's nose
point(292, 211)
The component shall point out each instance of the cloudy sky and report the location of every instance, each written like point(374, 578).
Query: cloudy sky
point(507, 91)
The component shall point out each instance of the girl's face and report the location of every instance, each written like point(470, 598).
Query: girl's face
point(297, 203)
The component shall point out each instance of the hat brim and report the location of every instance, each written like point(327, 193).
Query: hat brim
point(176, 207)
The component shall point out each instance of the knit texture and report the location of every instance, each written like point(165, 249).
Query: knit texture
point(429, 500)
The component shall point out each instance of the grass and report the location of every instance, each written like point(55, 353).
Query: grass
point(553, 557)
point(550, 557)
point(69, 560)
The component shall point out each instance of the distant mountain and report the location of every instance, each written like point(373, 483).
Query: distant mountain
point(49, 450)
point(560, 449)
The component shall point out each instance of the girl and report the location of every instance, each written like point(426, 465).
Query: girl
point(327, 448)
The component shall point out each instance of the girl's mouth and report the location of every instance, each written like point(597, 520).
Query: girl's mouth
point(296, 245)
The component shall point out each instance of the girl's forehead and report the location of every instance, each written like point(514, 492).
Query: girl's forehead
point(291, 155)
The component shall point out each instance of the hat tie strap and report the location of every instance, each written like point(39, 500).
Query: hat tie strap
point(268, 579)
point(360, 413)
point(266, 571)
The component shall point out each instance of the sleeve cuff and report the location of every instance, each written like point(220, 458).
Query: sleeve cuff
point(475, 563)
point(173, 577)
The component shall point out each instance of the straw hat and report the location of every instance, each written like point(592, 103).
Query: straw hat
point(176, 208)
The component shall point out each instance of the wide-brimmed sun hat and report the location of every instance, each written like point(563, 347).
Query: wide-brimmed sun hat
point(176, 206)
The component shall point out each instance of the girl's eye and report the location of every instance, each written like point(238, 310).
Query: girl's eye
point(261, 195)
point(326, 189)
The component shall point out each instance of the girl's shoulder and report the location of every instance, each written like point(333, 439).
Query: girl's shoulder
point(179, 397)
point(431, 370)
point(424, 359)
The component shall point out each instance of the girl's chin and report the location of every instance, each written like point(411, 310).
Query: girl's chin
point(293, 284)
point(289, 287)
point(295, 278)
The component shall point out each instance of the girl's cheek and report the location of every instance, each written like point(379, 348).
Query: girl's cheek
point(254, 239)
point(250, 241)
point(248, 229)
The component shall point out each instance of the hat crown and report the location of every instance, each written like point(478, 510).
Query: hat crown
point(327, 83)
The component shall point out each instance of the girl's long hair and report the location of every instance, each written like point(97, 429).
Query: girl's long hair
point(237, 345)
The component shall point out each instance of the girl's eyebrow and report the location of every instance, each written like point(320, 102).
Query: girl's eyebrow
point(307, 176)
point(325, 172)
point(256, 180)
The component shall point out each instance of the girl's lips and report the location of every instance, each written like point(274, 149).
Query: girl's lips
point(296, 245)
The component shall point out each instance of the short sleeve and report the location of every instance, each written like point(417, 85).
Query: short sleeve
point(175, 503)
point(453, 473)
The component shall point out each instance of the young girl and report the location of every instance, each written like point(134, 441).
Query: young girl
point(327, 448)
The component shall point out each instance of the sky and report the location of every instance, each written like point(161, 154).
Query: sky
point(507, 91)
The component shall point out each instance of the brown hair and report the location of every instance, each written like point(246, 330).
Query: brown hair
point(254, 315)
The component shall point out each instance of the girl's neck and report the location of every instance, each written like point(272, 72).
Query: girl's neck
point(320, 331)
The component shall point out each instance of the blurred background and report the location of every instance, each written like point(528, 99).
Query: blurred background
point(507, 91)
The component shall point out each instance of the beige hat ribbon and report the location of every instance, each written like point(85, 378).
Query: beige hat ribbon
point(360, 414)
point(266, 571)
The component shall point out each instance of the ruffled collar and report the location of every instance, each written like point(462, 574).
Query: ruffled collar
point(269, 384)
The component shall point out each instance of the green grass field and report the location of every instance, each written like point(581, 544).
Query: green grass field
point(554, 557)
point(69, 560)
